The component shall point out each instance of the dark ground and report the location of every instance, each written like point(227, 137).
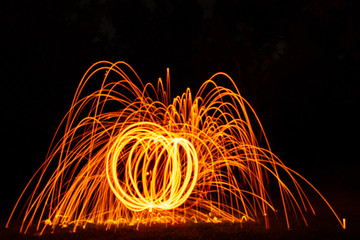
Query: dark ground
point(321, 226)
point(208, 231)
point(296, 62)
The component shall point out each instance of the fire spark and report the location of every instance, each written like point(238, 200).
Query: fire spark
point(131, 155)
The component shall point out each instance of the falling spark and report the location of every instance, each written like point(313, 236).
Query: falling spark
point(131, 155)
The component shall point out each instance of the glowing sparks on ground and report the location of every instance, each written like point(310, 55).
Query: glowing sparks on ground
point(131, 155)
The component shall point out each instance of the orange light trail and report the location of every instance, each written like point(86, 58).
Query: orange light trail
point(131, 155)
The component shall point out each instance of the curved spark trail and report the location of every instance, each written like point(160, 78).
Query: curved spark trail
point(131, 155)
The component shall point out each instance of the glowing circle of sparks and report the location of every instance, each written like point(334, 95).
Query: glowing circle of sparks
point(129, 154)
point(168, 183)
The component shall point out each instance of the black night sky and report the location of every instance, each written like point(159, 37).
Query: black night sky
point(296, 62)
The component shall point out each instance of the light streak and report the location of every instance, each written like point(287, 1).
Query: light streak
point(131, 155)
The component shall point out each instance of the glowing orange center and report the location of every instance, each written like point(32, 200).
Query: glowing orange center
point(157, 170)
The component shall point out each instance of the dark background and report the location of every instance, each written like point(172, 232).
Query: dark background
point(296, 62)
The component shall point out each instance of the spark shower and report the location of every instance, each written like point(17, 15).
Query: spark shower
point(129, 154)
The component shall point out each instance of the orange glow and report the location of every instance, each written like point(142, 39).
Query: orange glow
point(128, 154)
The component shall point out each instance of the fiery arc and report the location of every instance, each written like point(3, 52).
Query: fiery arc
point(131, 155)
point(164, 185)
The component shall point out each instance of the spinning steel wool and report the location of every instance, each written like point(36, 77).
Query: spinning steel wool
point(131, 155)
